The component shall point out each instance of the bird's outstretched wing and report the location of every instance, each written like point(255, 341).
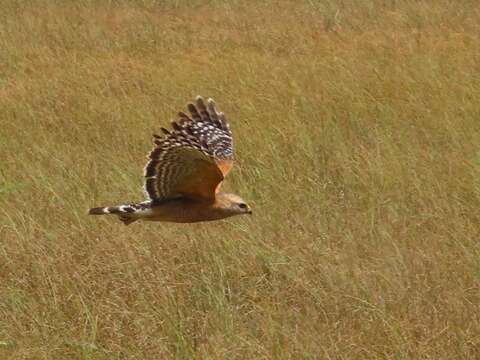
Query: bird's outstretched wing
point(193, 158)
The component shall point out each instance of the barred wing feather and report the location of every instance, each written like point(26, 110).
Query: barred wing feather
point(193, 158)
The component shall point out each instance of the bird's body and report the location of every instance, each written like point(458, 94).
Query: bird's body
point(180, 210)
point(185, 171)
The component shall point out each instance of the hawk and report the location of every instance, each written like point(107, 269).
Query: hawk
point(185, 171)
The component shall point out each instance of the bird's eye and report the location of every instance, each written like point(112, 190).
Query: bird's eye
point(242, 206)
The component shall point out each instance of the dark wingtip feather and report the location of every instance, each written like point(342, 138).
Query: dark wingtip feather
point(183, 117)
point(193, 110)
point(176, 126)
point(200, 103)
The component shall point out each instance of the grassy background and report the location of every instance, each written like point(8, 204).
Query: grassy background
point(357, 131)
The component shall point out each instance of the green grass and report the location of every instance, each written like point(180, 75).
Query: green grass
point(357, 128)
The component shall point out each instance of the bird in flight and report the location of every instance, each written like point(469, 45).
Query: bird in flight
point(185, 171)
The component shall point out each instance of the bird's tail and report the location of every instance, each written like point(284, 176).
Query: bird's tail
point(126, 213)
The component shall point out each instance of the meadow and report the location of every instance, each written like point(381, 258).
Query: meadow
point(357, 129)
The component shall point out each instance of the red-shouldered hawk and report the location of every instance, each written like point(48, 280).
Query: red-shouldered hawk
point(185, 171)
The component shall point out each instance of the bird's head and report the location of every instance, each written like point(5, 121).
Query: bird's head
point(232, 204)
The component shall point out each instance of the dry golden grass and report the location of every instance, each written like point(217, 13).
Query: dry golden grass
point(357, 129)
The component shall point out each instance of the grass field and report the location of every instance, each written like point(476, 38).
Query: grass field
point(357, 127)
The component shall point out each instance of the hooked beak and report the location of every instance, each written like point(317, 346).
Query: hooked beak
point(249, 212)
